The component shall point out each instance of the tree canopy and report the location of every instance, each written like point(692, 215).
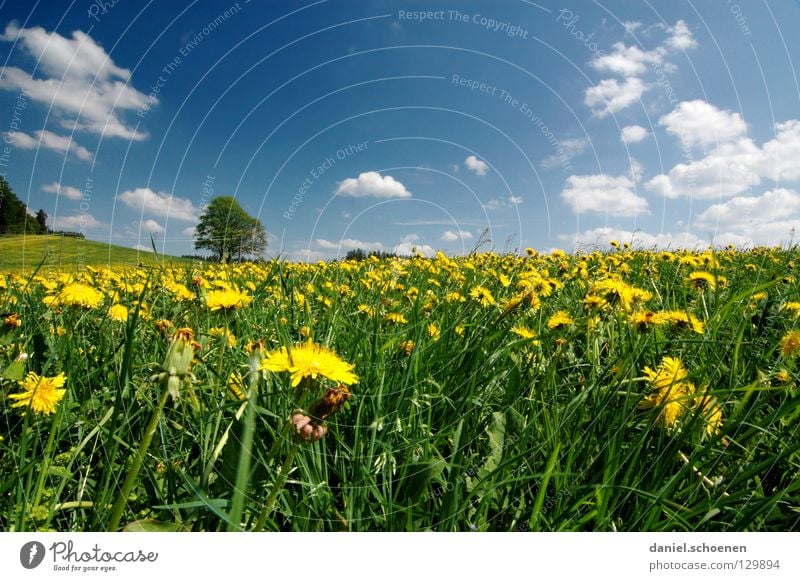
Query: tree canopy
point(226, 230)
point(14, 217)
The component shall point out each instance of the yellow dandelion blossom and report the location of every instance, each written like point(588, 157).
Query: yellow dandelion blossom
point(434, 332)
point(669, 391)
point(227, 299)
point(559, 320)
point(406, 347)
point(483, 295)
point(118, 313)
point(80, 295)
point(396, 318)
point(793, 307)
point(40, 394)
point(790, 344)
point(366, 310)
point(309, 360)
point(701, 279)
point(229, 337)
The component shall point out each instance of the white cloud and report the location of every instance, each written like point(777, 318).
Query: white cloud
point(49, 140)
point(347, 215)
point(611, 96)
point(142, 247)
point(160, 204)
point(410, 249)
point(680, 37)
point(701, 123)
point(476, 165)
point(151, 226)
point(81, 81)
point(734, 167)
point(68, 192)
point(632, 62)
point(633, 134)
point(631, 25)
point(455, 167)
point(628, 61)
point(371, 184)
point(742, 212)
point(611, 195)
point(79, 222)
point(307, 255)
point(190, 231)
point(639, 239)
point(636, 170)
point(497, 203)
point(451, 236)
point(566, 150)
point(349, 244)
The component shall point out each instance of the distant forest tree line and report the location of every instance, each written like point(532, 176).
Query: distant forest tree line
point(15, 218)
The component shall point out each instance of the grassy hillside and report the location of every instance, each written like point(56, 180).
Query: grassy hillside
point(25, 253)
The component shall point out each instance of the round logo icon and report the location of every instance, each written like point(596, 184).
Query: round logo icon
point(31, 554)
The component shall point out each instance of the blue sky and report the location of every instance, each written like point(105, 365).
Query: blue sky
point(407, 125)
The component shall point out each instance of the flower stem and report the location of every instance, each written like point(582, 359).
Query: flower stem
point(138, 459)
point(276, 488)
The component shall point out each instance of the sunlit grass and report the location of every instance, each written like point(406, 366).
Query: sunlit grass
point(493, 392)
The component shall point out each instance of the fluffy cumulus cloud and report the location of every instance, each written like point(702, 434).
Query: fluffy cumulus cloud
point(632, 62)
point(680, 37)
point(49, 140)
point(349, 244)
point(150, 226)
point(734, 166)
point(159, 204)
point(371, 184)
point(633, 134)
point(452, 236)
point(770, 218)
point(701, 123)
point(68, 192)
point(77, 222)
point(476, 165)
point(77, 78)
point(606, 194)
point(610, 95)
point(601, 237)
point(625, 60)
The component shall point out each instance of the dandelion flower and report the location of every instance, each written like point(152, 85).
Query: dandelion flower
point(309, 360)
point(482, 295)
point(118, 313)
point(790, 344)
point(701, 279)
point(77, 294)
point(227, 299)
point(433, 331)
point(559, 320)
point(40, 394)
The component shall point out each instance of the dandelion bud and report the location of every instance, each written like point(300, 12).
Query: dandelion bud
point(181, 352)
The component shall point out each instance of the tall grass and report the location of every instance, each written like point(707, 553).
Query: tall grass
point(474, 429)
